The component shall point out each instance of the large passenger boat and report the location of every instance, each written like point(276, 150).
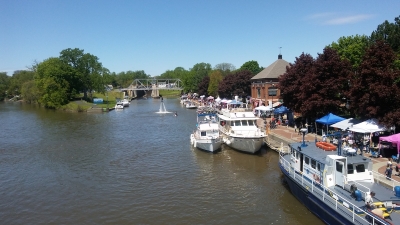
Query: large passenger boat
point(238, 127)
point(334, 186)
point(206, 137)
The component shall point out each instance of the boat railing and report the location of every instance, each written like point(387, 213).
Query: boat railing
point(380, 178)
point(331, 198)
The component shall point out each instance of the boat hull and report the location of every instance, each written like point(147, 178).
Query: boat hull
point(209, 145)
point(315, 205)
point(248, 144)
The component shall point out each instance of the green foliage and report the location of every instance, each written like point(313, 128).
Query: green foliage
point(4, 83)
point(352, 48)
point(17, 80)
point(52, 81)
point(29, 92)
point(124, 79)
point(195, 76)
point(225, 68)
point(251, 66)
point(87, 71)
point(215, 78)
point(390, 33)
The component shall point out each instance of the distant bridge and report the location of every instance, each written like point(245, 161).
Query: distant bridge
point(153, 86)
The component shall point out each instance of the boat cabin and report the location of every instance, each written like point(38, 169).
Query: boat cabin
point(329, 169)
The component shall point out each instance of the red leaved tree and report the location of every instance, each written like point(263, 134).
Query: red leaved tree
point(374, 91)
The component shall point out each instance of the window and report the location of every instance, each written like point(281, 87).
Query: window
point(297, 155)
point(293, 153)
point(203, 133)
point(272, 91)
point(307, 160)
point(319, 167)
point(313, 163)
point(232, 123)
point(360, 168)
point(350, 169)
point(339, 167)
point(237, 123)
point(244, 122)
point(258, 93)
point(251, 123)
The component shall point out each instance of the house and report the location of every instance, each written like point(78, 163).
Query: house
point(264, 85)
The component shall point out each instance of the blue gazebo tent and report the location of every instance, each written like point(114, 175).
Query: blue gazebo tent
point(281, 110)
point(329, 119)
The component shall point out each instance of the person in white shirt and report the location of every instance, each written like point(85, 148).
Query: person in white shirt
point(369, 200)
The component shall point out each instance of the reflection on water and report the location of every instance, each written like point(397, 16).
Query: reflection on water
point(134, 166)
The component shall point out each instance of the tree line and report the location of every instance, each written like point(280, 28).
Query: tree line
point(357, 76)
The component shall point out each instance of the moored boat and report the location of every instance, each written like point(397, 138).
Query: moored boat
point(206, 137)
point(119, 105)
point(238, 126)
point(334, 186)
point(125, 102)
point(190, 105)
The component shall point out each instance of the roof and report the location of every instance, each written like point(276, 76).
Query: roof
point(272, 71)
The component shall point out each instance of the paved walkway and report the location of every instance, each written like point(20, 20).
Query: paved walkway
point(288, 133)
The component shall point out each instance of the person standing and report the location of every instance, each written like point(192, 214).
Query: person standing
point(388, 172)
point(369, 200)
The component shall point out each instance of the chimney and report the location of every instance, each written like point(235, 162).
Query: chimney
point(279, 56)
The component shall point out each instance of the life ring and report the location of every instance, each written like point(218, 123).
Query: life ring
point(326, 146)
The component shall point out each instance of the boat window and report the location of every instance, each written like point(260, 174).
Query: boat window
point(203, 133)
point(244, 122)
point(350, 169)
point(251, 123)
point(297, 155)
point(293, 153)
point(360, 168)
point(339, 167)
point(232, 123)
point(307, 160)
point(318, 167)
point(237, 123)
point(313, 163)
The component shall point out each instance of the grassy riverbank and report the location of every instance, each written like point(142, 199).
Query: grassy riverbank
point(109, 100)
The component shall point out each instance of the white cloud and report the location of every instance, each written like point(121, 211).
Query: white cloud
point(347, 19)
point(331, 18)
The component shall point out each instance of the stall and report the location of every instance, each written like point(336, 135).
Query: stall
point(390, 150)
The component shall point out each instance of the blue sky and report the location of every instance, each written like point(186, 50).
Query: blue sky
point(160, 35)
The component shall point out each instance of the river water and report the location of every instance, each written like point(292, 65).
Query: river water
point(132, 167)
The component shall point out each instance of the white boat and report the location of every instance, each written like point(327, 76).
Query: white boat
point(334, 185)
point(184, 98)
point(239, 129)
point(119, 105)
point(125, 102)
point(190, 105)
point(206, 137)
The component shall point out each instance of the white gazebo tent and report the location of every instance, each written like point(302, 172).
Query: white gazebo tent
point(368, 126)
point(345, 124)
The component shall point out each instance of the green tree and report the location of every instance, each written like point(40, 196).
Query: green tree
point(225, 68)
point(30, 93)
point(51, 79)
point(195, 76)
point(390, 33)
point(352, 48)
point(87, 71)
point(215, 78)
point(251, 66)
point(4, 83)
point(17, 80)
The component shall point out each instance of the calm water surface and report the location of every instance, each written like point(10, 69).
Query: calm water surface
point(132, 167)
